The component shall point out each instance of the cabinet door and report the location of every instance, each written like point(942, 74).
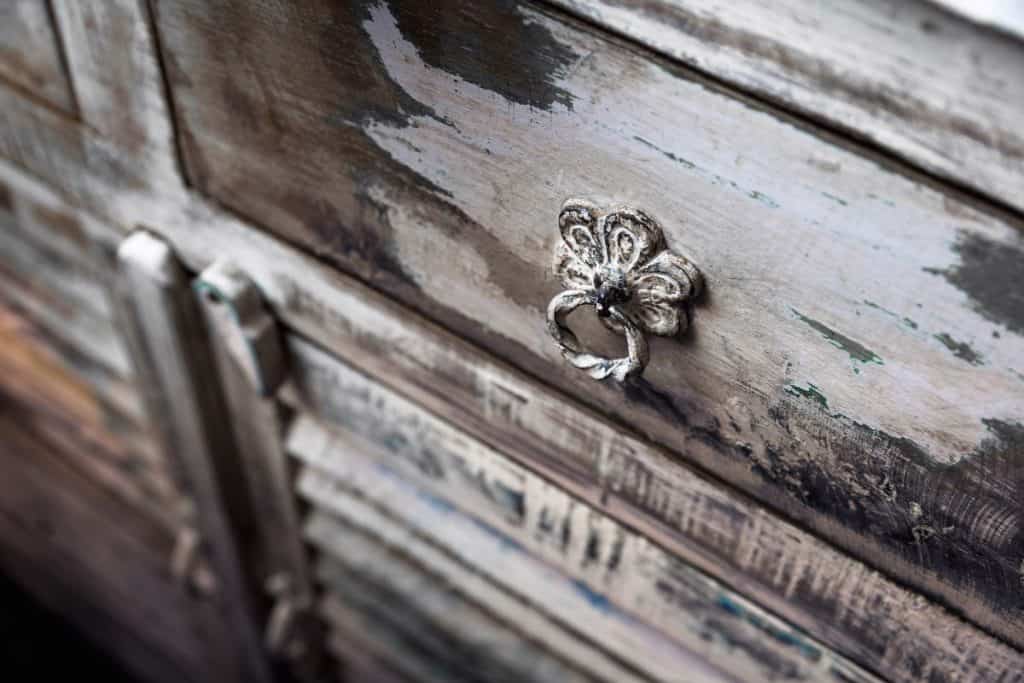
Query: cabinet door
point(855, 363)
point(431, 533)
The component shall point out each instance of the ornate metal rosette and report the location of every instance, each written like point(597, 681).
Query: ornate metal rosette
point(617, 262)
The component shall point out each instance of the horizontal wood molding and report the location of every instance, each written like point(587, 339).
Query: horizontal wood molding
point(605, 561)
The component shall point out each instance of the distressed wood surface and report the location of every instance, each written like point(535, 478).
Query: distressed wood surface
point(368, 650)
point(611, 561)
point(104, 182)
point(871, 622)
point(31, 54)
point(851, 607)
point(436, 174)
point(464, 550)
point(465, 641)
point(88, 555)
point(926, 86)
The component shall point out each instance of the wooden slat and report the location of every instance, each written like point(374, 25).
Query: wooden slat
point(55, 278)
point(31, 56)
point(273, 553)
point(927, 86)
point(612, 561)
point(82, 330)
point(576, 647)
point(360, 656)
point(461, 639)
point(436, 176)
point(781, 565)
point(172, 332)
point(605, 566)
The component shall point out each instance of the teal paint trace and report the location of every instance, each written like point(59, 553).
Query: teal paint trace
point(960, 349)
point(857, 351)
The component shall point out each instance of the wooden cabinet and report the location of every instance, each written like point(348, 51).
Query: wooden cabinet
point(820, 479)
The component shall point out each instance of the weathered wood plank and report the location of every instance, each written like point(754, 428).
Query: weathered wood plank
point(492, 571)
point(940, 92)
point(577, 648)
point(462, 638)
point(360, 656)
point(612, 560)
point(797, 576)
point(81, 330)
point(31, 56)
point(417, 169)
point(56, 524)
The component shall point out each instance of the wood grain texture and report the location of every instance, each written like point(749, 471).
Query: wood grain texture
point(610, 561)
point(89, 556)
point(31, 55)
point(484, 565)
point(429, 158)
point(940, 92)
point(852, 608)
point(462, 640)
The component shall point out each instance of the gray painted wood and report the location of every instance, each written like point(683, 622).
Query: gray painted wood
point(134, 181)
point(848, 605)
point(515, 586)
point(627, 569)
point(923, 85)
point(840, 290)
point(459, 640)
point(611, 563)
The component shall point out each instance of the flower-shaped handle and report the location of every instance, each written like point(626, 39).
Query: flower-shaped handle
point(617, 262)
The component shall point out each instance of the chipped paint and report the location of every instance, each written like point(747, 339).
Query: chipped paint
point(810, 391)
point(903, 320)
point(857, 351)
point(960, 349)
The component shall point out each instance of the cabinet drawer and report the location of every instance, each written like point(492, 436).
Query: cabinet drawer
point(856, 360)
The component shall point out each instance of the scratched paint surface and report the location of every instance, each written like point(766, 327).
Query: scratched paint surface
point(438, 184)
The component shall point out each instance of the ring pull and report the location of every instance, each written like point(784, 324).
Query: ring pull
point(618, 263)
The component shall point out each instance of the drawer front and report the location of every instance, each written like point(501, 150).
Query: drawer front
point(855, 362)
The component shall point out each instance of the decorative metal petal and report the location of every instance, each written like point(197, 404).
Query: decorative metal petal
point(676, 268)
point(629, 237)
point(577, 221)
point(571, 270)
point(659, 289)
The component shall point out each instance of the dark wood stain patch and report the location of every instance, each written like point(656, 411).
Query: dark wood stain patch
point(960, 349)
point(892, 490)
point(988, 273)
point(489, 45)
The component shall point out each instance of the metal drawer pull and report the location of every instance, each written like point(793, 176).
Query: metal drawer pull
point(618, 263)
